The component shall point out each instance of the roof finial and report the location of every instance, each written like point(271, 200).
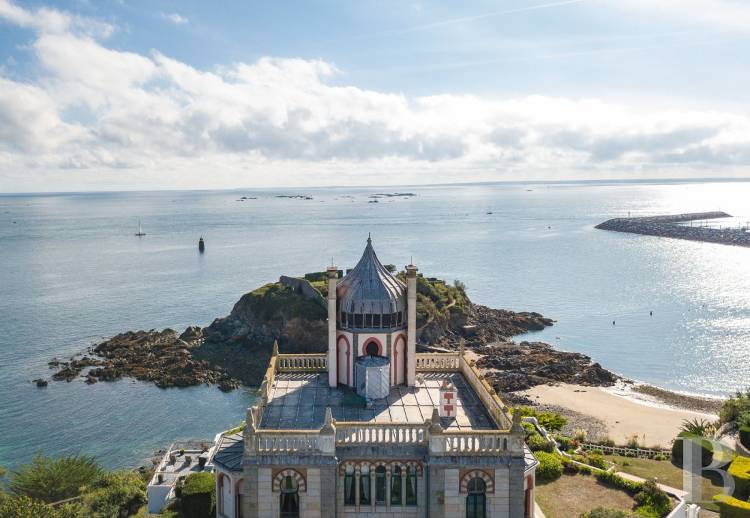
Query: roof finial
point(369, 240)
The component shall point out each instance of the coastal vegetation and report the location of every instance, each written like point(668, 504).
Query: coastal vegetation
point(666, 472)
point(197, 496)
point(51, 479)
point(73, 486)
point(604, 494)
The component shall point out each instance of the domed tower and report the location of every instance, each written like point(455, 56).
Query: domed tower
point(371, 320)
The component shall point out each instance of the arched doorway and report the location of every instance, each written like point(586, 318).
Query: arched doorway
point(289, 498)
point(372, 349)
point(476, 500)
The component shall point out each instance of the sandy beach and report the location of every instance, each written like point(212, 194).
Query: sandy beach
point(624, 413)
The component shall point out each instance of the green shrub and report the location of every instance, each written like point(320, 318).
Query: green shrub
point(651, 500)
point(549, 420)
point(730, 507)
point(25, 507)
point(739, 470)
point(633, 442)
point(114, 493)
point(734, 407)
point(564, 442)
point(550, 466)
point(198, 496)
point(596, 460)
point(707, 451)
point(603, 512)
point(610, 479)
point(528, 428)
point(51, 479)
point(571, 467)
point(696, 426)
point(538, 443)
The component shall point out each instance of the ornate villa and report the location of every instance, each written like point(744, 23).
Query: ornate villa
point(373, 428)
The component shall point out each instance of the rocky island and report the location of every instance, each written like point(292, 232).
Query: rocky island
point(235, 350)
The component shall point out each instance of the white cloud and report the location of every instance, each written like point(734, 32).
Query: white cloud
point(175, 18)
point(102, 116)
point(724, 14)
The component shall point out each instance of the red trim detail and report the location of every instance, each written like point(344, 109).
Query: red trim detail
point(369, 341)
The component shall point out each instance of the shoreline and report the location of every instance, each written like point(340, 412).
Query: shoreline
point(620, 412)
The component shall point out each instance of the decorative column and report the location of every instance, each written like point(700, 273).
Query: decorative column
point(411, 325)
point(372, 488)
point(388, 488)
point(333, 375)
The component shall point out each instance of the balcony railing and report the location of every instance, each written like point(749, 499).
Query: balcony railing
point(350, 433)
point(302, 363)
point(286, 441)
point(438, 362)
point(476, 442)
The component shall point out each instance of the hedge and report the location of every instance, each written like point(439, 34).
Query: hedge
point(550, 466)
point(707, 449)
point(739, 470)
point(538, 443)
point(730, 507)
point(609, 478)
point(198, 496)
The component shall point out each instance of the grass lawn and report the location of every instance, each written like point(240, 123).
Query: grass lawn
point(666, 473)
point(571, 495)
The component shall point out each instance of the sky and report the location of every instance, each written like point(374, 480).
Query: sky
point(139, 94)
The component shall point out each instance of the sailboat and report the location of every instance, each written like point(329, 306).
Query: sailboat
point(140, 229)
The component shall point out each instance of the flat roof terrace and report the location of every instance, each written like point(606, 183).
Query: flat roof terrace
point(298, 400)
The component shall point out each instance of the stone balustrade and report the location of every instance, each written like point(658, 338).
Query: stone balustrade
point(302, 363)
point(438, 362)
point(286, 441)
point(351, 433)
point(473, 442)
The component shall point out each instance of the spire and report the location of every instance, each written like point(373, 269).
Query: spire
point(275, 351)
point(369, 239)
point(329, 424)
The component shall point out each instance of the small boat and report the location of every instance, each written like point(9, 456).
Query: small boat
point(140, 232)
point(201, 245)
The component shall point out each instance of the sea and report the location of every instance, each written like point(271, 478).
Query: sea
point(672, 313)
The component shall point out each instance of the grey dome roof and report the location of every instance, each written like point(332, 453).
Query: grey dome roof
point(369, 288)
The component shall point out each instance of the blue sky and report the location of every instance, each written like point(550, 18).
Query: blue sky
point(136, 94)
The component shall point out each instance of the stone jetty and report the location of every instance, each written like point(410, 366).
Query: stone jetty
point(675, 226)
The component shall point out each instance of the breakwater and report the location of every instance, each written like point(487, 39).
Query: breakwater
point(674, 226)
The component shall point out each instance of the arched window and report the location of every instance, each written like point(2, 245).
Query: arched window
point(380, 485)
point(364, 485)
point(220, 503)
point(396, 486)
point(238, 498)
point(372, 349)
point(289, 498)
point(411, 485)
point(349, 494)
point(476, 499)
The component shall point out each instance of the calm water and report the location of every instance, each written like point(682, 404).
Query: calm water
point(72, 273)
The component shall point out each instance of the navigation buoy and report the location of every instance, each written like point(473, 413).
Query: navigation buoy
point(201, 245)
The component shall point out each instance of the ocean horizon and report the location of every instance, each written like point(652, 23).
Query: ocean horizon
point(675, 314)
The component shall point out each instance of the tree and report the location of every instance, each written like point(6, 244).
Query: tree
point(51, 479)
